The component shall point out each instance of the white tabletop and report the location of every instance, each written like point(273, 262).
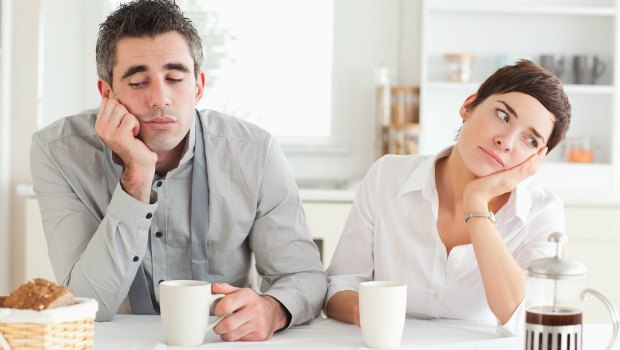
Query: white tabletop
point(145, 332)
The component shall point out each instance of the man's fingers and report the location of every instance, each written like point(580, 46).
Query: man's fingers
point(223, 288)
point(234, 300)
point(231, 325)
point(129, 123)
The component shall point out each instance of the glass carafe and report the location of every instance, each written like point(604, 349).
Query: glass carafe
point(556, 288)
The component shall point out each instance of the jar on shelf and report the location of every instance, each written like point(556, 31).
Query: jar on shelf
point(579, 150)
point(403, 138)
point(383, 108)
point(458, 66)
point(404, 104)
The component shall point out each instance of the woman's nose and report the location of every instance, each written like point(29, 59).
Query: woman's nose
point(504, 142)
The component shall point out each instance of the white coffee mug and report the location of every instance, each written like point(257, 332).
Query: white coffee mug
point(382, 306)
point(185, 307)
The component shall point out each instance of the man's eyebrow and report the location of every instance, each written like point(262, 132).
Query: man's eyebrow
point(514, 113)
point(177, 66)
point(142, 68)
point(133, 70)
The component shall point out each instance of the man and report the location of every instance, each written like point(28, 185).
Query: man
point(147, 189)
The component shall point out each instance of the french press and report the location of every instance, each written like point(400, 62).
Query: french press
point(555, 291)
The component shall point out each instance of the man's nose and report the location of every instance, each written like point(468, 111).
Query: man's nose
point(158, 94)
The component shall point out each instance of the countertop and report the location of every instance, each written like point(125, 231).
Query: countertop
point(346, 194)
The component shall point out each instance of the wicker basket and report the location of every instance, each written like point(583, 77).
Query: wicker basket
point(69, 327)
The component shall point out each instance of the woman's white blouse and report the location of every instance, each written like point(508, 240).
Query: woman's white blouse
point(391, 234)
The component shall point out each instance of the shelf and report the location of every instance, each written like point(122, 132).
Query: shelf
point(526, 10)
point(569, 88)
point(568, 177)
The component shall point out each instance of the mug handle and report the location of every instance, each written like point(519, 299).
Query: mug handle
point(210, 325)
point(612, 312)
point(3, 343)
point(599, 68)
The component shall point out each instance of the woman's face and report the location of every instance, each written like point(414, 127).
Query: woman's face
point(502, 132)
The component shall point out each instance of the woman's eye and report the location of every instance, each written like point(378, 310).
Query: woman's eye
point(502, 115)
point(532, 142)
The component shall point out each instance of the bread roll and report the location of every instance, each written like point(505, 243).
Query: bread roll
point(39, 294)
point(2, 299)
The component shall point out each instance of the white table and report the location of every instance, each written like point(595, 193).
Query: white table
point(145, 332)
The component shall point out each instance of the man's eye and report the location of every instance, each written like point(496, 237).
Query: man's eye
point(174, 80)
point(137, 85)
point(502, 115)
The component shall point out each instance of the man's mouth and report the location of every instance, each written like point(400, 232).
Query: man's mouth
point(159, 123)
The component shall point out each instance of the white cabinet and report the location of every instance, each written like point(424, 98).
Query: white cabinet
point(594, 240)
point(495, 31)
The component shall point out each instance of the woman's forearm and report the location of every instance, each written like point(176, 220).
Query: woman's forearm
point(344, 306)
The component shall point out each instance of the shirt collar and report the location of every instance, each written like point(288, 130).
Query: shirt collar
point(423, 176)
point(188, 150)
point(519, 203)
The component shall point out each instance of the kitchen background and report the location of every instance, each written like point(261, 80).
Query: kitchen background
point(338, 82)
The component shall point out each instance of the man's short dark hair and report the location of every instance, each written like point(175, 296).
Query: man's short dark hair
point(143, 18)
point(528, 78)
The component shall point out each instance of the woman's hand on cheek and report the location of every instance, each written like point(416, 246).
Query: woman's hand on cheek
point(480, 191)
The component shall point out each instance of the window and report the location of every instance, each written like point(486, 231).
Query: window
point(269, 62)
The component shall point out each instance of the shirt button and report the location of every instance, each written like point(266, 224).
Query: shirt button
point(158, 234)
point(136, 258)
point(149, 215)
point(159, 183)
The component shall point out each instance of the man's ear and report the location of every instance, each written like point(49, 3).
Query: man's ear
point(200, 85)
point(104, 88)
point(466, 107)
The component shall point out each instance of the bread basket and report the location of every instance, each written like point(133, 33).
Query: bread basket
point(66, 327)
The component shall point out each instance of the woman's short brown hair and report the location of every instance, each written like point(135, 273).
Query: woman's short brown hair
point(528, 78)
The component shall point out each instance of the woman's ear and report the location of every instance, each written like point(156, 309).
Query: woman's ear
point(466, 107)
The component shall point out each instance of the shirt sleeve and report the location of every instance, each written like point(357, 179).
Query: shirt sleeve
point(549, 219)
point(353, 261)
point(95, 254)
point(515, 325)
point(286, 257)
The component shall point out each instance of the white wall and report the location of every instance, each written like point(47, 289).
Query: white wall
point(5, 143)
point(69, 78)
point(24, 113)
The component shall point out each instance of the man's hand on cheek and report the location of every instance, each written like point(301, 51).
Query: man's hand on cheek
point(118, 129)
point(253, 317)
point(480, 191)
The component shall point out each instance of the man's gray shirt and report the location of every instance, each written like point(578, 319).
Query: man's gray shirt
point(95, 230)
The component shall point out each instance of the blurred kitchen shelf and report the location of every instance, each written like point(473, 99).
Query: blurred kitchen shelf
point(569, 88)
point(525, 10)
point(570, 177)
point(495, 32)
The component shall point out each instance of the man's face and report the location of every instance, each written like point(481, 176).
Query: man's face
point(154, 79)
point(502, 132)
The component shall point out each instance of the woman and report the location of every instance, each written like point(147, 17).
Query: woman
point(460, 227)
